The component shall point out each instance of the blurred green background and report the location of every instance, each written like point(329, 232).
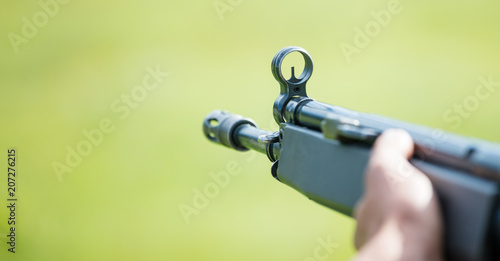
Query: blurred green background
point(125, 199)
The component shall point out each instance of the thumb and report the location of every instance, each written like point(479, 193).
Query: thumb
point(388, 162)
point(394, 142)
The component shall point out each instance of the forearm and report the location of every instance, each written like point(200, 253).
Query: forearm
point(399, 240)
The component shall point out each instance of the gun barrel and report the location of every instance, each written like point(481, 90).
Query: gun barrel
point(239, 133)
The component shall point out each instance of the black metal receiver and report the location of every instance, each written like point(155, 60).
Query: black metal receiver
point(322, 150)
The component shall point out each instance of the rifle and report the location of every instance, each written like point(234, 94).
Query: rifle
point(322, 150)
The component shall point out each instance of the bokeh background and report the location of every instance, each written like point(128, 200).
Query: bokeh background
point(124, 200)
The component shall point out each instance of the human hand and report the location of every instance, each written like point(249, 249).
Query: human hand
point(398, 217)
